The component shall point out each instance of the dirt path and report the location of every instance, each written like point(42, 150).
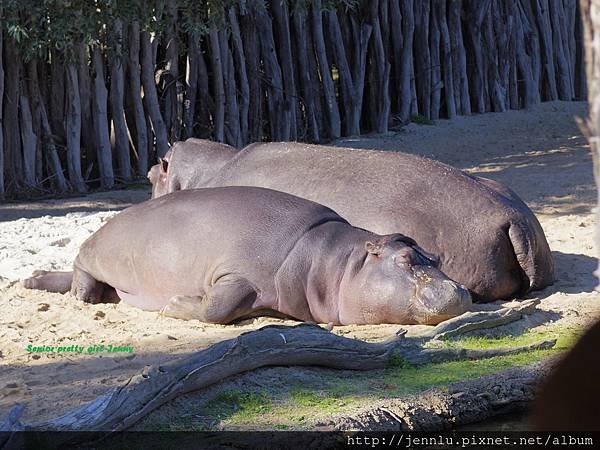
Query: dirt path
point(540, 154)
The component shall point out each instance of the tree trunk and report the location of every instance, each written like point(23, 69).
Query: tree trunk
point(219, 85)
point(12, 135)
point(434, 50)
point(284, 47)
point(141, 135)
point(89, 149)
point(191, 83)
point(352, 81)
point(381, 72)
point(73, 126)
point(305, 75)
point(28, 141)
point(459, 58)
point(252, 57)
point(55, 171)
point(232, 112)
point(120, 134)
point(100, 111)
point(440, 15)
point(173, 92)
point(242, 76)
point(150, 94)
point(422, 61)
point(333, 113)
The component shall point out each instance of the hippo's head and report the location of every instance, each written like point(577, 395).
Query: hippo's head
point(399, 283)
point(159, 176)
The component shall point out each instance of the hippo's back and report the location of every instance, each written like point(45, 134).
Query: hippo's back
point(463, 220)
point(192, 237)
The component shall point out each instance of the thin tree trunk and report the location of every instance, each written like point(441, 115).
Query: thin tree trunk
point(381, 72)
point(89, 149)
point(333, 113)
point(459, 58)
point(73, 125)
point(117, 94)
point(101, 122)
point(232, 111)
point(252, 57)
point(219, 88)
point(531, 93)
point(279, 114)
point(141, 134)
point(191, 84)
point(55, 171)
point(440, 16)
point(434, 50)
point(242, 76)
point(12, 134)
point(28, 141)
point(304, 72)
point(284, 46)
point(477, 9)
point(352, 81)
point(174, 90)
point(406, 59)
point(150, 94)
point(422, 61)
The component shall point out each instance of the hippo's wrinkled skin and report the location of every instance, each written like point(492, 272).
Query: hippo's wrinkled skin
point(222, 254)
point(484, 235)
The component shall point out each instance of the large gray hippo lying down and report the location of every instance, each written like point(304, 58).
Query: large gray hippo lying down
point(485, 237)
point(222, 254)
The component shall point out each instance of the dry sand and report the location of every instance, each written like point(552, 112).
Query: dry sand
point(540, 154)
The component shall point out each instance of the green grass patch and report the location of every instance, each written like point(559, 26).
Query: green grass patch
point(238, 406)
point(421, 120)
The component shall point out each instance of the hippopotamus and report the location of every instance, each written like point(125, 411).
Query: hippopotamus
point(193, 167)
point(223, 254)
point(484, 235)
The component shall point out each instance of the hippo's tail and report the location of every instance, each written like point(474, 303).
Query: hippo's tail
point(533, 254)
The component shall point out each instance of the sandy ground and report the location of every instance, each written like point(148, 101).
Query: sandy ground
point(540, 154)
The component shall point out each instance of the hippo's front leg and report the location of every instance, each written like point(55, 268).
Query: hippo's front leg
point(230, 298)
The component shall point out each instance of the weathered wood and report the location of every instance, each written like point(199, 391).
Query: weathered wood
point(13, 164)
point(422, 61)
point(252, 56)
point(459, 58)
point(381, 73)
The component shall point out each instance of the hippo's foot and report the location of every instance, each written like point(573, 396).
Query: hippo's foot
point(229, 299)
point(183, 307)
point(49, 281)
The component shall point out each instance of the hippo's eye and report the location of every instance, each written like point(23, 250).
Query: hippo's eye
point(400, 260)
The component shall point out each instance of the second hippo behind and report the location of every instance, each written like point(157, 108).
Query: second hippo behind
point(223, 254)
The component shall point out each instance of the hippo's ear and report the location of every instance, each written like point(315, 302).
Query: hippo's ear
point(402, 238)
point(373, 248)
point(164, 165)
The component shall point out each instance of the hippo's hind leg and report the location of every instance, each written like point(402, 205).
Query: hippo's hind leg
point(49, 281)
point(229, 299)
point(87, 289)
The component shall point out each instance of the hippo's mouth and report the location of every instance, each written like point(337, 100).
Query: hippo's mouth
point(437, 297)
